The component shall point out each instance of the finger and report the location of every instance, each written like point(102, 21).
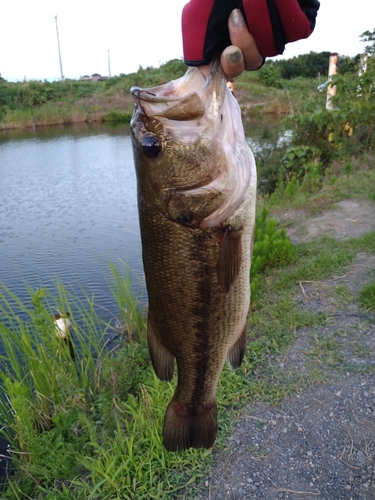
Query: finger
point(241, 37)
point(232, 61)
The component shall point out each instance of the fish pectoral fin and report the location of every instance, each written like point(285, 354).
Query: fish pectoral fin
point(186, 428)
point(237, 352)
point(230, 258)
point(162, 359)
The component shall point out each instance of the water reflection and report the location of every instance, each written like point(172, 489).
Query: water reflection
point(76, 130)
point(67, 207)
point(263, 132)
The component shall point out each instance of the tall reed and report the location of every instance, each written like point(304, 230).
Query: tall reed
point(37, 372)
point(94, 423)
point(130, 304)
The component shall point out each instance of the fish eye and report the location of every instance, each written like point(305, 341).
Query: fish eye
point(151, 146)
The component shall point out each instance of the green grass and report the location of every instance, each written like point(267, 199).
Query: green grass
point(336, 186)
point(367, 296)
point(91, 428)
point(115, 116)
point(47, 114)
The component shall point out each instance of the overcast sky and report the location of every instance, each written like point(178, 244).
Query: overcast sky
point(136, 33)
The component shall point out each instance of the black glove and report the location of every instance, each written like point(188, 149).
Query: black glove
point(272, 23)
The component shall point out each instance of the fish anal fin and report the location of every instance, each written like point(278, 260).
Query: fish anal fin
point(186, 428)
point(162, 359)
point(230, 258)
point(237, 352)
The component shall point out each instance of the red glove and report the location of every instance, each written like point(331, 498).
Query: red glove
point(272, 23)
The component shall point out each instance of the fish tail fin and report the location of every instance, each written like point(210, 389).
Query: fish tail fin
point(185, 428)
point(162, 359)
point(237, 351)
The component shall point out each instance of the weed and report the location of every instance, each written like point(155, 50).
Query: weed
point(367, 297)
point(117, 116)
point(362, 351)
point(131, 311)
point(326, 350)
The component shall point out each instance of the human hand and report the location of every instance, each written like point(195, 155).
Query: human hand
point(243, 54)
point(267, 27)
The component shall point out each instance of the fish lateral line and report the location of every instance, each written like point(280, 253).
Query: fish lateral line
point(196, 242)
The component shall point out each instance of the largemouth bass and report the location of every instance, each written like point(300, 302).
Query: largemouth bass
point(196, 180)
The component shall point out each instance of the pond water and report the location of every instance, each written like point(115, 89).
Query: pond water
point(67, 209)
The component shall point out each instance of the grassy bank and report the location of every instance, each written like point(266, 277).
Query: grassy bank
point(278, 88)
point(35, 104)
point(91, 427)
point(114, 109)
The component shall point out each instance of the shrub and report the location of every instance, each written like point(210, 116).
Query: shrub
point(272, 249)
point(269, 76)
point(346, 130)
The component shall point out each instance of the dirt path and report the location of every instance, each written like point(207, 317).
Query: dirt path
point(320, 443)
point(348, 219)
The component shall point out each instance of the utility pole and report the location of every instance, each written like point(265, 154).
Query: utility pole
point(331, 89)
point(58, 45)
point(109, 66)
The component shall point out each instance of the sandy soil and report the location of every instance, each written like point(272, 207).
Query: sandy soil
point(348, 219)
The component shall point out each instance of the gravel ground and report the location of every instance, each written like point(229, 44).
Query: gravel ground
point(320, 443)
point(317, 445)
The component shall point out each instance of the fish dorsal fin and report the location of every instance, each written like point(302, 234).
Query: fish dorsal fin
point(230, 258)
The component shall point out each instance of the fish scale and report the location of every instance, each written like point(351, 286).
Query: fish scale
point(196, 182)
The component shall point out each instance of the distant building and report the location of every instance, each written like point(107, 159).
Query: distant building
point(93, 78)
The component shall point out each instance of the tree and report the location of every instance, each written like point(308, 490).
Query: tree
point(369, 36)
point(349, 64)
point(269, 76)
point(306, 65)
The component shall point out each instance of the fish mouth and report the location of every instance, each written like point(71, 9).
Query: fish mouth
point(193, 81)
point(188, 98)
point(147, 96)
point(186, 108)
